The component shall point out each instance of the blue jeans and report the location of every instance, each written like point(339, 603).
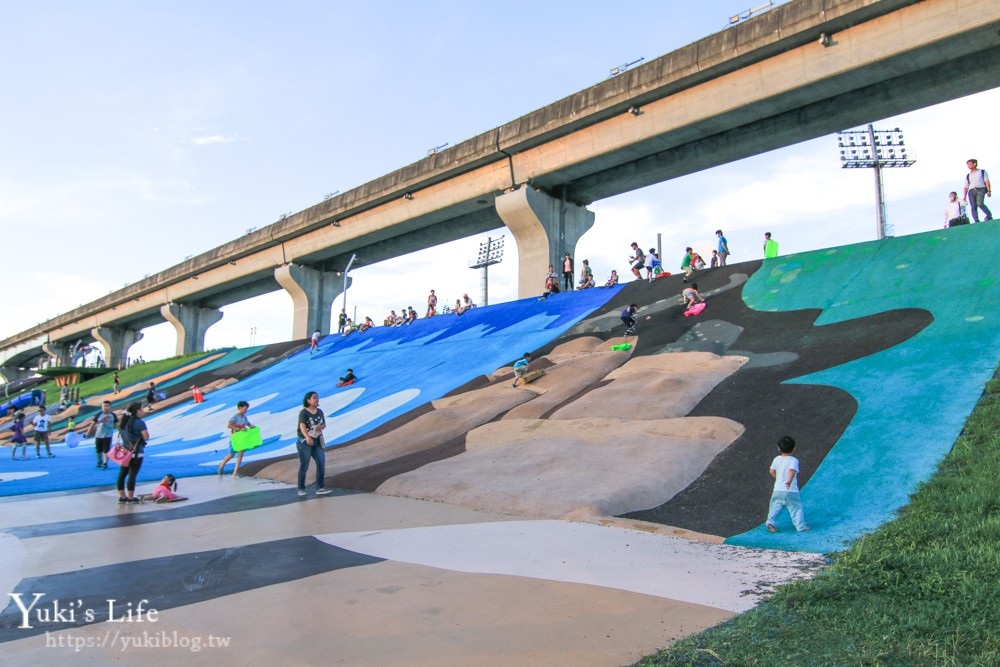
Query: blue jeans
point(790, 499)
point(317, 454)
point(977, 200)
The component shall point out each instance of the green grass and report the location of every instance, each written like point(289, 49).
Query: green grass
point(130, 375)
point(922, 590)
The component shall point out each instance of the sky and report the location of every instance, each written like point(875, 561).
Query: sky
point(134, 135)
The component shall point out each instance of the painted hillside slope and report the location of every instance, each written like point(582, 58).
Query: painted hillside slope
point(871, 356)
point(399, 368)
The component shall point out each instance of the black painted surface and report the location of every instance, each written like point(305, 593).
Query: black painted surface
point(171, 581)
point(242, 502)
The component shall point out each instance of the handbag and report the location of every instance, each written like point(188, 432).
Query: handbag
point(120, 454)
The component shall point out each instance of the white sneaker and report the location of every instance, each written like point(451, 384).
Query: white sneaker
point(302, 492)
point(323, 491)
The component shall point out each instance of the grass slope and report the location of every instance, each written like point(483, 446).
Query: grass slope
point(128, 376)
point(921, 590)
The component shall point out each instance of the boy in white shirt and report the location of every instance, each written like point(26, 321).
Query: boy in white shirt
point(785, 471)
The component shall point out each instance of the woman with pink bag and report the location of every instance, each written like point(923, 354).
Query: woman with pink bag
point(134, 436)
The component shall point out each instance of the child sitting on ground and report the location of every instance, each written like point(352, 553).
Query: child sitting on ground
point(164, 493)
point(613, 280)
point(348, 377)
point(785, 471)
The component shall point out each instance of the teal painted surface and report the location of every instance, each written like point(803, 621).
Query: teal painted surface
point(230, 357)
point(914, 398)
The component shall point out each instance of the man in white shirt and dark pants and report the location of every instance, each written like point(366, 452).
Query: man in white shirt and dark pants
point(977, 188)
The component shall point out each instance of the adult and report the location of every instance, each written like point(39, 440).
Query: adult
point(467, 302)
point(771, 246)
point(723, 247)
point(238, 422)
point(41, 422)
point(567, 272)
point(104, 429)
point(637, 261)
point(134, 436)
point(341, 321)
point(954, 212)
point(310, 443)
point(432, 302)
point(977, 188)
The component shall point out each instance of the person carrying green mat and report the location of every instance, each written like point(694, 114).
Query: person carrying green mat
point(237, 423)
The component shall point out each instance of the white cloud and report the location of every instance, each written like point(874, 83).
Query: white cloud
point(213, 139)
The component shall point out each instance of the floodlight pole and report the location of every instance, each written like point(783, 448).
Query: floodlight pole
point(353, 257)
point(490, 252)
point(879, 190)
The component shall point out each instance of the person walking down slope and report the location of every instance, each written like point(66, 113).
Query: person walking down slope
point(954, 212)
point(977, 188)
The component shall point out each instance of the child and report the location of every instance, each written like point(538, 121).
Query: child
point(314, 341)
point(18, 439)
point(613, 280)
point(653, 264)
point(164, 493)
point(237, 422)
point(42, 422)
point(689, 295)
point(521, 367)
point(628, 317)
point(348, 377)
point(785, 471)
point(432, 302)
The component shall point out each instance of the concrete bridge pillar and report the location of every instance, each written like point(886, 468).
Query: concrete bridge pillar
point(116, 343)
point(313, 293)
point(190, 322)
point(544, 228)
point(13, 373)
point(58, 353)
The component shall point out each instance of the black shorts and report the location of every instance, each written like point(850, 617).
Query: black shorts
point(629, 322)
point(102, 445)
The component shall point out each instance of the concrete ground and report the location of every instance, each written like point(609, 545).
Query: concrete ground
point(353, 579)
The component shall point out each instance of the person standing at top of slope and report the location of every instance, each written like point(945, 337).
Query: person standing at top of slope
point(432, 302)
point(977, 188)
point(567, 273)
point(341, 321)
point(723, 248)
point(637, 262)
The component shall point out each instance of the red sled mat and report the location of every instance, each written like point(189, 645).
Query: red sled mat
point(695, 309)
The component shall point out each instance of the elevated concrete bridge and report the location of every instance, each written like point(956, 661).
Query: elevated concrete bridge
point(763, 84)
